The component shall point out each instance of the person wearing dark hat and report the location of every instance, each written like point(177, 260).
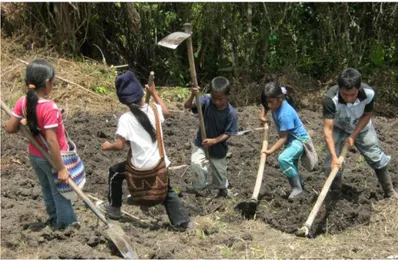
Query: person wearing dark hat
point(138, 128)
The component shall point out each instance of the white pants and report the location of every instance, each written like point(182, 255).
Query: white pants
point(199, 169)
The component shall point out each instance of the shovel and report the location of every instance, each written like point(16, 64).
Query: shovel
point(150, 82)
point(244, 132)
point(240, 133)
point(305, 230)
point(114, 232)
point(248, 208)
point(172, 41)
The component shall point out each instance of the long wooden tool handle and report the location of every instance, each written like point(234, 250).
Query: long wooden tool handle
point(325, 189)
point(261, 166)
point(188, 29)
point(151, 79)
point(48, 157)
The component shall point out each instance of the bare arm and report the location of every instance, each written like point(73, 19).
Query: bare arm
point(222, 137)
point(262, 116)
point(210, 142)
point(12, 125)
point(189, 102)
point(158, 100)
point(278, 144)
point(119, 144)
point(55, 151)
point(328, 133)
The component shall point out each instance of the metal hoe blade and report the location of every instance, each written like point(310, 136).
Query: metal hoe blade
point(240, 133)
point(173, 40)
point(119, 238)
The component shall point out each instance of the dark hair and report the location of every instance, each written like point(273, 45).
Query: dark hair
point(37, 73)
point(220, 84)
point(349, 78)
point(272, 90)
point(143, 120)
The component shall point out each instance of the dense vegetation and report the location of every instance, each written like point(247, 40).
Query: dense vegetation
point(240, 40)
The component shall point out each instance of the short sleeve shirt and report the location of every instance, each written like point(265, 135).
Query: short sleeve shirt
point(145, 153)
point(48, 117)
point(287, 119)
point(346, 115)
point(217, 122)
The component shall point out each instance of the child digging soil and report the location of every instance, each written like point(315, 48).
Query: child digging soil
point(221, 121)
point(138, 127)
point(291, 132)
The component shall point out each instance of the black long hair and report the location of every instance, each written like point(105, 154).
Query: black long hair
point(143, 120)
point(36, 74)
point(273, 90)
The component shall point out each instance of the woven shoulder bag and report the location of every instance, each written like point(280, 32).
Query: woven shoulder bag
point(148, 187)
point(73, 164)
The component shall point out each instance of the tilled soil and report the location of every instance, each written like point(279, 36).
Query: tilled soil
point(24, 234)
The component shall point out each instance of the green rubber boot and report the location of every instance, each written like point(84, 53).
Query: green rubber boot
point(295, 183)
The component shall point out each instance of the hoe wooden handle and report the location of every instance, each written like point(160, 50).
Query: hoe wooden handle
point(261, 166)
point(48, 157)
point(325, 189)
point(188, 29)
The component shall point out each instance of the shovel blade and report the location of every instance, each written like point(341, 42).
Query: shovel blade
point(173, 40)
point(247, 208)
point(121, 241)
point(239, 133)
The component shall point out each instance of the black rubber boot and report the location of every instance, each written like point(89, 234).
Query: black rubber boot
point(295, 183)
point(385, 182)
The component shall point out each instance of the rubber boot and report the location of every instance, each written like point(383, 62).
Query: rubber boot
point(295, 183)
point(385, 182)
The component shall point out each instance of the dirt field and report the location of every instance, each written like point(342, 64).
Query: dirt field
point(359, 225)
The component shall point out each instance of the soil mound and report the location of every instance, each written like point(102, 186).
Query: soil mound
point(23, 214)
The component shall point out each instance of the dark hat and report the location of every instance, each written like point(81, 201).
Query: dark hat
point(128, 88)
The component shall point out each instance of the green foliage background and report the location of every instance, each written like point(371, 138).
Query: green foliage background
point(315, 40)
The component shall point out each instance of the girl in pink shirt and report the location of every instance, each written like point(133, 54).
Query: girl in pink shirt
point(43, 117)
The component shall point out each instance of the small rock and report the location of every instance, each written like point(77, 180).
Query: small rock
point(41, 240)
point(24, 192)
point(93, 241)
point(33, 243)
point(247, 237)
point(101, 134)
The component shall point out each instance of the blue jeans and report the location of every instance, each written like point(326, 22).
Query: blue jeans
point(58, 208)
point(366, 142)
point(289, 158)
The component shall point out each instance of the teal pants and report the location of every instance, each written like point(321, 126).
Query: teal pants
point(289, 158)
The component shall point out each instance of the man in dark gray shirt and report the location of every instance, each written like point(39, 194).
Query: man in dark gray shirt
point(347, 112)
